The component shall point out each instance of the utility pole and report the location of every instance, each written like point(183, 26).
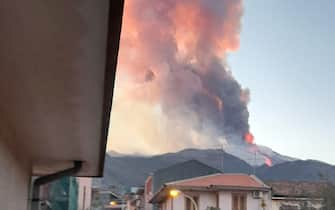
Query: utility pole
point(222, 160)
point(255, 162)
point(222, 148)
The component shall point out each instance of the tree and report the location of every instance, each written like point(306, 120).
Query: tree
point(328, 194)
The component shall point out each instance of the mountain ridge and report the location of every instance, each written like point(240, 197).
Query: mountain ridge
point(124, 171)
point(242, 151)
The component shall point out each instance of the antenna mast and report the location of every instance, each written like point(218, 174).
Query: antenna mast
point(255, 162)
point(222, 160)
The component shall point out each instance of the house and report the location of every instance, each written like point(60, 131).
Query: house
point(297, 195)
point(58, 62)
point(183, 170)
point(135, 199)
point(216, 191)
point(105, 198)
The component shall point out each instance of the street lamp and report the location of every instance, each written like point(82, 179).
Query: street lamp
point(112, 203)
point(174, 193)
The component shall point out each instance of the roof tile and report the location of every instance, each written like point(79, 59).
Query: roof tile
point(224, 180)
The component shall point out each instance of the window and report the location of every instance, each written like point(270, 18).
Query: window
point(239, 202)
point(189, 205)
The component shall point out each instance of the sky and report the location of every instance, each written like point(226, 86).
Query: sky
point(280, 50)
point(287, 60)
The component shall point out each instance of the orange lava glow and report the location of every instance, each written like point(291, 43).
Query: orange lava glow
point(249, 138)
point(268, 161)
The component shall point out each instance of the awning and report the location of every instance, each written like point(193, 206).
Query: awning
point(57, 71)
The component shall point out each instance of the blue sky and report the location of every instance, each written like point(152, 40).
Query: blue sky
point(287, 60)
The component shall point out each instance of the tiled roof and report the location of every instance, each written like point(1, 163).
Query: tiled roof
point(218, 181)
point(222, 180)
point(181, 171)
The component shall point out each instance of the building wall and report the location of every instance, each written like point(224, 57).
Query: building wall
point(84, 193)
point(257, 203)
point(276, 205)
point(296, 204)
point(207, 199)
point(177, 203)
point(15, 173)
point(225, 200)
point(148, 193)
point(169, 206)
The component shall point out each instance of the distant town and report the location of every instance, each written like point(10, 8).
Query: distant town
point(175, 181)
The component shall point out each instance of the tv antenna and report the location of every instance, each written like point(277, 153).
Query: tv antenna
point(223, 145)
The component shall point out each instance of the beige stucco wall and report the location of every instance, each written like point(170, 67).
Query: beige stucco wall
point(177, 203)
point(255, 204)
point(208, 199)
point(14, 178)
point(225, 200)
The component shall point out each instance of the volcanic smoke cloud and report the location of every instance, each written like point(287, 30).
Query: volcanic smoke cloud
point(173, 88)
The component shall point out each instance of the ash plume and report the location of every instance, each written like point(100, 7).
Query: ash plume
point(173, 88)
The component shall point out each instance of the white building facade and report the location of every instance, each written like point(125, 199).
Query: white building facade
point(220, 191)
point(223, 200)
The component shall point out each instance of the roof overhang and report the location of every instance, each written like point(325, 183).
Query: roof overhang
point(58, 62)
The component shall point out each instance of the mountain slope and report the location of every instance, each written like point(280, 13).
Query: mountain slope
point(299, 170)
point(124, 171)
point(256, 154)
